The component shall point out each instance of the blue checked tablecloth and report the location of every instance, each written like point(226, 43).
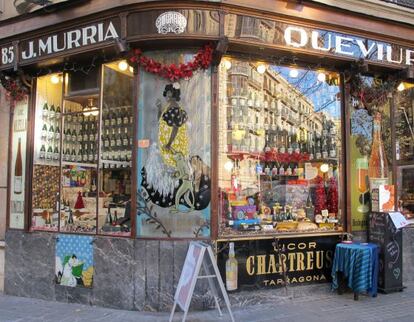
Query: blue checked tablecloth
point(359, 264)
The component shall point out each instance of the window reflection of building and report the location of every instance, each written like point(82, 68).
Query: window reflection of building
point(263, 111)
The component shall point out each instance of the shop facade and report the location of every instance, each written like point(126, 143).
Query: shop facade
point(141, 128)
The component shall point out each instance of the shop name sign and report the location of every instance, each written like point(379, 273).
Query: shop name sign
point(302, 262)
point(346, 45)
point(62, 42)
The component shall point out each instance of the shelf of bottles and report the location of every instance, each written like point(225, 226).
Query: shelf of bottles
point(116, 135)
point(80, 136)
point(49, 147)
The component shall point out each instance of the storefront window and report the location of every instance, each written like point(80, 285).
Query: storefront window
point(279, 149)
point(80, 183)
point(404, 141)
point(117, 139)
point(370, 154)
point(47, 147)
point(174, 153)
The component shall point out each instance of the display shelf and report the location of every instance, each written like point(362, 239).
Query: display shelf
point(271, 235)
point(115, 164)
point(80, 164)
point(44, 162)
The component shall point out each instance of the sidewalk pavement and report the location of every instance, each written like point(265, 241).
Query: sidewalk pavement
point(327, 306)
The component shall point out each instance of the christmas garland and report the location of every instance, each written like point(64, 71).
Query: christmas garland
point(173, 72)
point(16, 92)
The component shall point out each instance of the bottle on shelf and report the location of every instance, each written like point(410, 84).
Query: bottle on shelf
point(44, 131)
point(125, 138)
point(56, 153)
point(18, 170)
point(119, 117)
point(57, 132)
point(125, 120)
point(42, 154)
point(49, 153)
point(45, 111)
point(231, 269)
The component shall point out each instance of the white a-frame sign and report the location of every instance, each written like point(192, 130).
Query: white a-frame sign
point(198, 254)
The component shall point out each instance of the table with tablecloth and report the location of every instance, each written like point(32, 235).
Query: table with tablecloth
point(358, 262)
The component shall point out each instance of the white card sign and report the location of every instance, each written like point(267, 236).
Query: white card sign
point(198, 254)
point(398, 219)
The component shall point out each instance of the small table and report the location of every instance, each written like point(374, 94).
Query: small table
point(358, 262)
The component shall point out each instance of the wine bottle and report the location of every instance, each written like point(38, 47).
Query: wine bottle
point(231, 270)
point(42, 153)
point(378, 164)
point(113, 139)
point(52, 111)
point(106, 140)
point(56, 154)
point(18, 170)
point(85, 135)
point(44, 131)
point(73, 155)
point(113, 119)
point(119, 118)
point(126, 117)
point(125, 138)
point(49, 154)
point(57, 132)
point(45, 111)
point(51, 133)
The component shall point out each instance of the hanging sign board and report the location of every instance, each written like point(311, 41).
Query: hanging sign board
point(198, 254)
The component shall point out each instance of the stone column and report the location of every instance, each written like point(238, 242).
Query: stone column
point(4, 140)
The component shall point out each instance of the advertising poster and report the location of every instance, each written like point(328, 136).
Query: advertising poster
point(74, 261)
point(18, 165)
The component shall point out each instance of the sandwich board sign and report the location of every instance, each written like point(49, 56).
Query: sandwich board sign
point(199, 254)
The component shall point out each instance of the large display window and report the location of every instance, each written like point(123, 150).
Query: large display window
point(82, 151)
point(280, 162)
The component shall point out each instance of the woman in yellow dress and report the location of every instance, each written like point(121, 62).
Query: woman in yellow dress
point(172, 134)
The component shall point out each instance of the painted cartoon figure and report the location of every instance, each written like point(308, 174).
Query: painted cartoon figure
point(67, 277)
point(186, 189)
point(173, 136)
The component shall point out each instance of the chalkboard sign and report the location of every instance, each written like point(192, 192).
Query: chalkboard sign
point(383, 232)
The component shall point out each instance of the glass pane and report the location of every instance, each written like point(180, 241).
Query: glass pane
point(405, 179)
point(174, 153)
point(46, 170)
point(116, 146)
point(370, 152)
point(79, 163)
point(279, 147)
point(404, 121)
point(18, 183)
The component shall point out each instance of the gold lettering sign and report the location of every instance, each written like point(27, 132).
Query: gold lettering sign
point(303, 257)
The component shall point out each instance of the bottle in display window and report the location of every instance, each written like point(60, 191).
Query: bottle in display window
point(294, 186)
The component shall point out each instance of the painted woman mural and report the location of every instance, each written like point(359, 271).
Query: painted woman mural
point(171, 177)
